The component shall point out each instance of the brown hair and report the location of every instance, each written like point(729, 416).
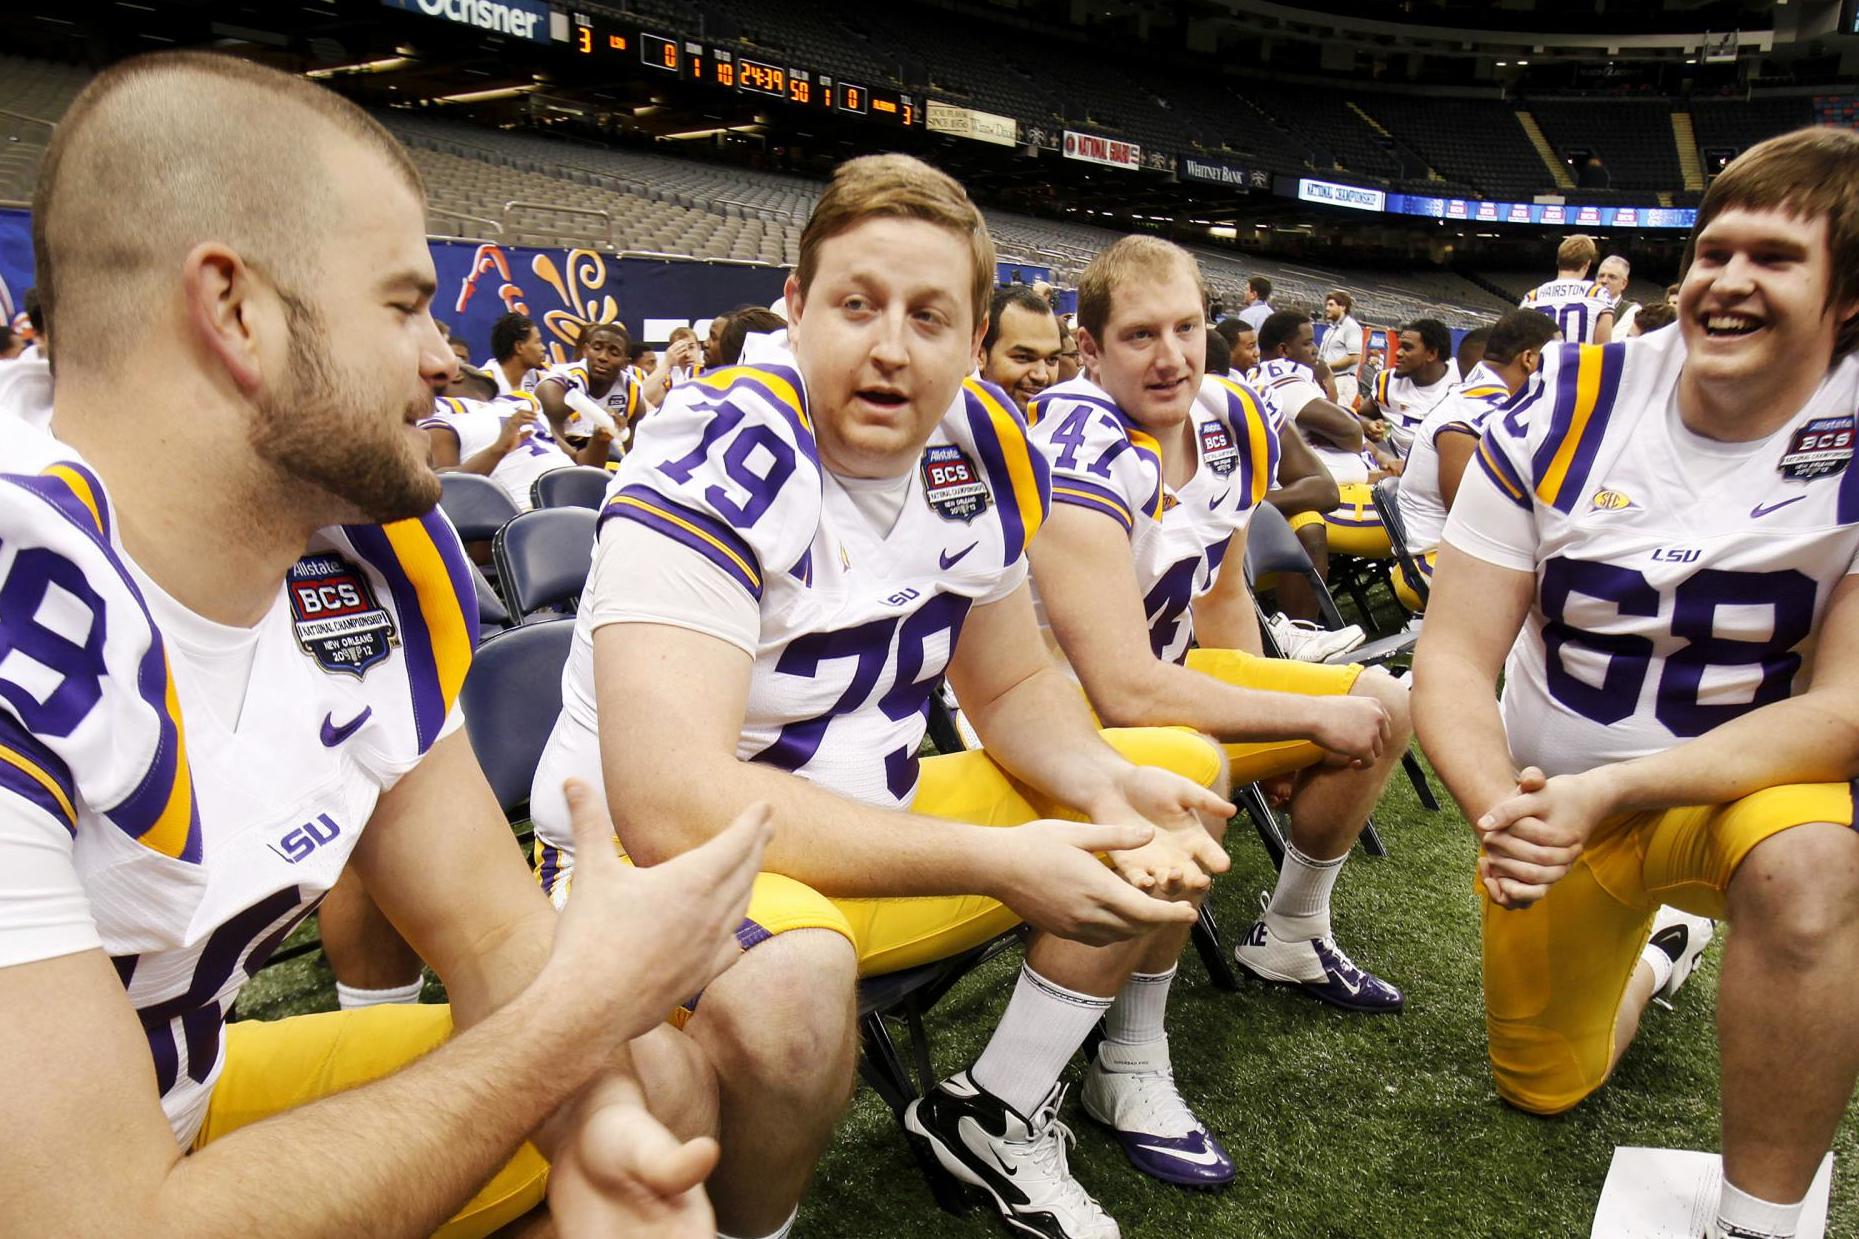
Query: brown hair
point(897, 187)
point(1129, 258)
point(1576, 253)
point(165, 151)
point(1810, 174)
point(1341, 298)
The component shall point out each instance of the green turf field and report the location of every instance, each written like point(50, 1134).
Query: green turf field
point(1342, 1125)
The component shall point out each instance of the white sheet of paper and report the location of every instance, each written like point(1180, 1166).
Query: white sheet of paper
point(1672, 1194)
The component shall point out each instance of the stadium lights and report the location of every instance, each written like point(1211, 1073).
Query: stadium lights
point(1503, 64)
point(1523, 62)
point(387, 65)
point(483, 96)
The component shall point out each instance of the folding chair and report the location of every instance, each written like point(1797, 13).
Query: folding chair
point(581, 486)
point(1272, 548)
point(1388, 504)
point(510, 699)
point(542, 559)
point(491, 613)
point(476, 506)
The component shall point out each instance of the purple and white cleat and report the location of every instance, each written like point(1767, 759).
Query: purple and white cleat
point(1317, 966)
point(1159, 1134)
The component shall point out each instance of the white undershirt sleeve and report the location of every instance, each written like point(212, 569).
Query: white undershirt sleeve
point(44, 912)
point(640, 576)
point(1489, 525)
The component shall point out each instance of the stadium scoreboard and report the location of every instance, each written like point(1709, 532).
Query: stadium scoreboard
point(602, 39)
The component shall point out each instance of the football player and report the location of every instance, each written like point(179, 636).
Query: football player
point(518, 360)
point(599, 392)
point(1583, 309)
point(507, 440)
point(1422, 374)
point(790, 557)
point(1443, 446)
point(1350, 449)
point(198, 731)
point(1068, 352)
point(1658, 552)
point(1021, 349)
point(1140, 578)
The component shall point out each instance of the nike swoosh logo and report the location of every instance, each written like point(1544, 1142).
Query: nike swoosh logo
point(333, 735)
point(986, 1145)
point(949, 561)
point(1761, 510)
point(1354, 987)
point(1206, 1157)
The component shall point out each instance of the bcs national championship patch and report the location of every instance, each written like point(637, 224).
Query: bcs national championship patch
point(1217, 448)
point(1819, 449)
point(336, 618)
point(953, 489)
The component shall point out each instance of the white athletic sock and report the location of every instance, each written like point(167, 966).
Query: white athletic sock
point(1134, 1036)
point(1661, 965)
point(353, 999)
point(1300, 906)
point(1042, 1028)
point(786, 1229)
point(1742, 1216)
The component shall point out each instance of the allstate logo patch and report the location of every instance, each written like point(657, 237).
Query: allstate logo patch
point(335, 616)
point(1217, 448)
point(953, 489)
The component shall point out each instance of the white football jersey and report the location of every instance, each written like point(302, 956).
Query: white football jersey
point(1405, 403)
point(1576, 305)
point(1423, 506)
point(623, 400)
point(857, 622)
point(135, 815)
point(477, 423)
point(1104, 461)
point(1681, 580)
point(528, 383)
point(1286, 387)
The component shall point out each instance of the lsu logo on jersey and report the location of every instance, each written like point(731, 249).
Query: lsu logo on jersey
point(1218, 450)
point(1819, 449)
point(336, 618)
point(953, 489)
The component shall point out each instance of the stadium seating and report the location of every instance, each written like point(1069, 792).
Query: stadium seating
point(476, 506)
point(580, 487)
point(1633, 137)
point(510, 699)
point(1475, 141)
point(1737, 124)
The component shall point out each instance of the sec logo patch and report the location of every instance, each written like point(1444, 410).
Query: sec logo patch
point(335, 616)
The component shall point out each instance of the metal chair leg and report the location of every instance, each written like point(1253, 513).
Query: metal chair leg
point(1418, 777)
point(1265, 822)
point(1371, 839)
point(1213, 951)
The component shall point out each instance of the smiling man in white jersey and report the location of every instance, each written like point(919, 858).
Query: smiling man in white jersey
point(790, 557)
point(1157, 469)
point(230, 650)
point(1669, 528)
point(1423, 372)
point(1583, 309)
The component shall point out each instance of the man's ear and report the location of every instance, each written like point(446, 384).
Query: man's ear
point(796, 305)
point(222, 295)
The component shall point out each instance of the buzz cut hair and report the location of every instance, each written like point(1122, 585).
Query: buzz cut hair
point(1006, 297)
point(898, 187)
point(1517, 332)
point(171, 150)
point(1129, 258)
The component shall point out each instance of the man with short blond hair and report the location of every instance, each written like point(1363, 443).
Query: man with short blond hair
point(1157, 469)
point(789, 559)
point(1583, 309)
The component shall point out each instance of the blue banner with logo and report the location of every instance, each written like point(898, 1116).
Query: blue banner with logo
point(15, 261)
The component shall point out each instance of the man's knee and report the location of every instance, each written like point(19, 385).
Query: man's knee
point(783, 1017)
point(1797, 894)
point(1393, 695)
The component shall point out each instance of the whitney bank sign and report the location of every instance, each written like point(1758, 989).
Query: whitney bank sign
point(1221, 173)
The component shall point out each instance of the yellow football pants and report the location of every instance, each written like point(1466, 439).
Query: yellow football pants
point(1353, 527)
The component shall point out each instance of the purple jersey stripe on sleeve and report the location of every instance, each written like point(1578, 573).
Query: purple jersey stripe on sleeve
point(1097, 498)
point(706, 535)
point(1501, 472)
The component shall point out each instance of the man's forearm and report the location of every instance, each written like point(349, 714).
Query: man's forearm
point(1455, 711)
point(1801, 740)
point(1305, 495)
point(395, 1157)
point(1332, 423)
point(1166, 695)
point(1043, 734)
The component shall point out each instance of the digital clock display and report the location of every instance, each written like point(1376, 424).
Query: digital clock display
point(852, 98)
point(591, 37)
point(761, 78)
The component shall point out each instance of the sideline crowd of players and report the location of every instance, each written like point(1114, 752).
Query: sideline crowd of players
point(899, 476)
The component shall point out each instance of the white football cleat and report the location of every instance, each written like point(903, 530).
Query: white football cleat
point(1683, 938)
point(1312, 643)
